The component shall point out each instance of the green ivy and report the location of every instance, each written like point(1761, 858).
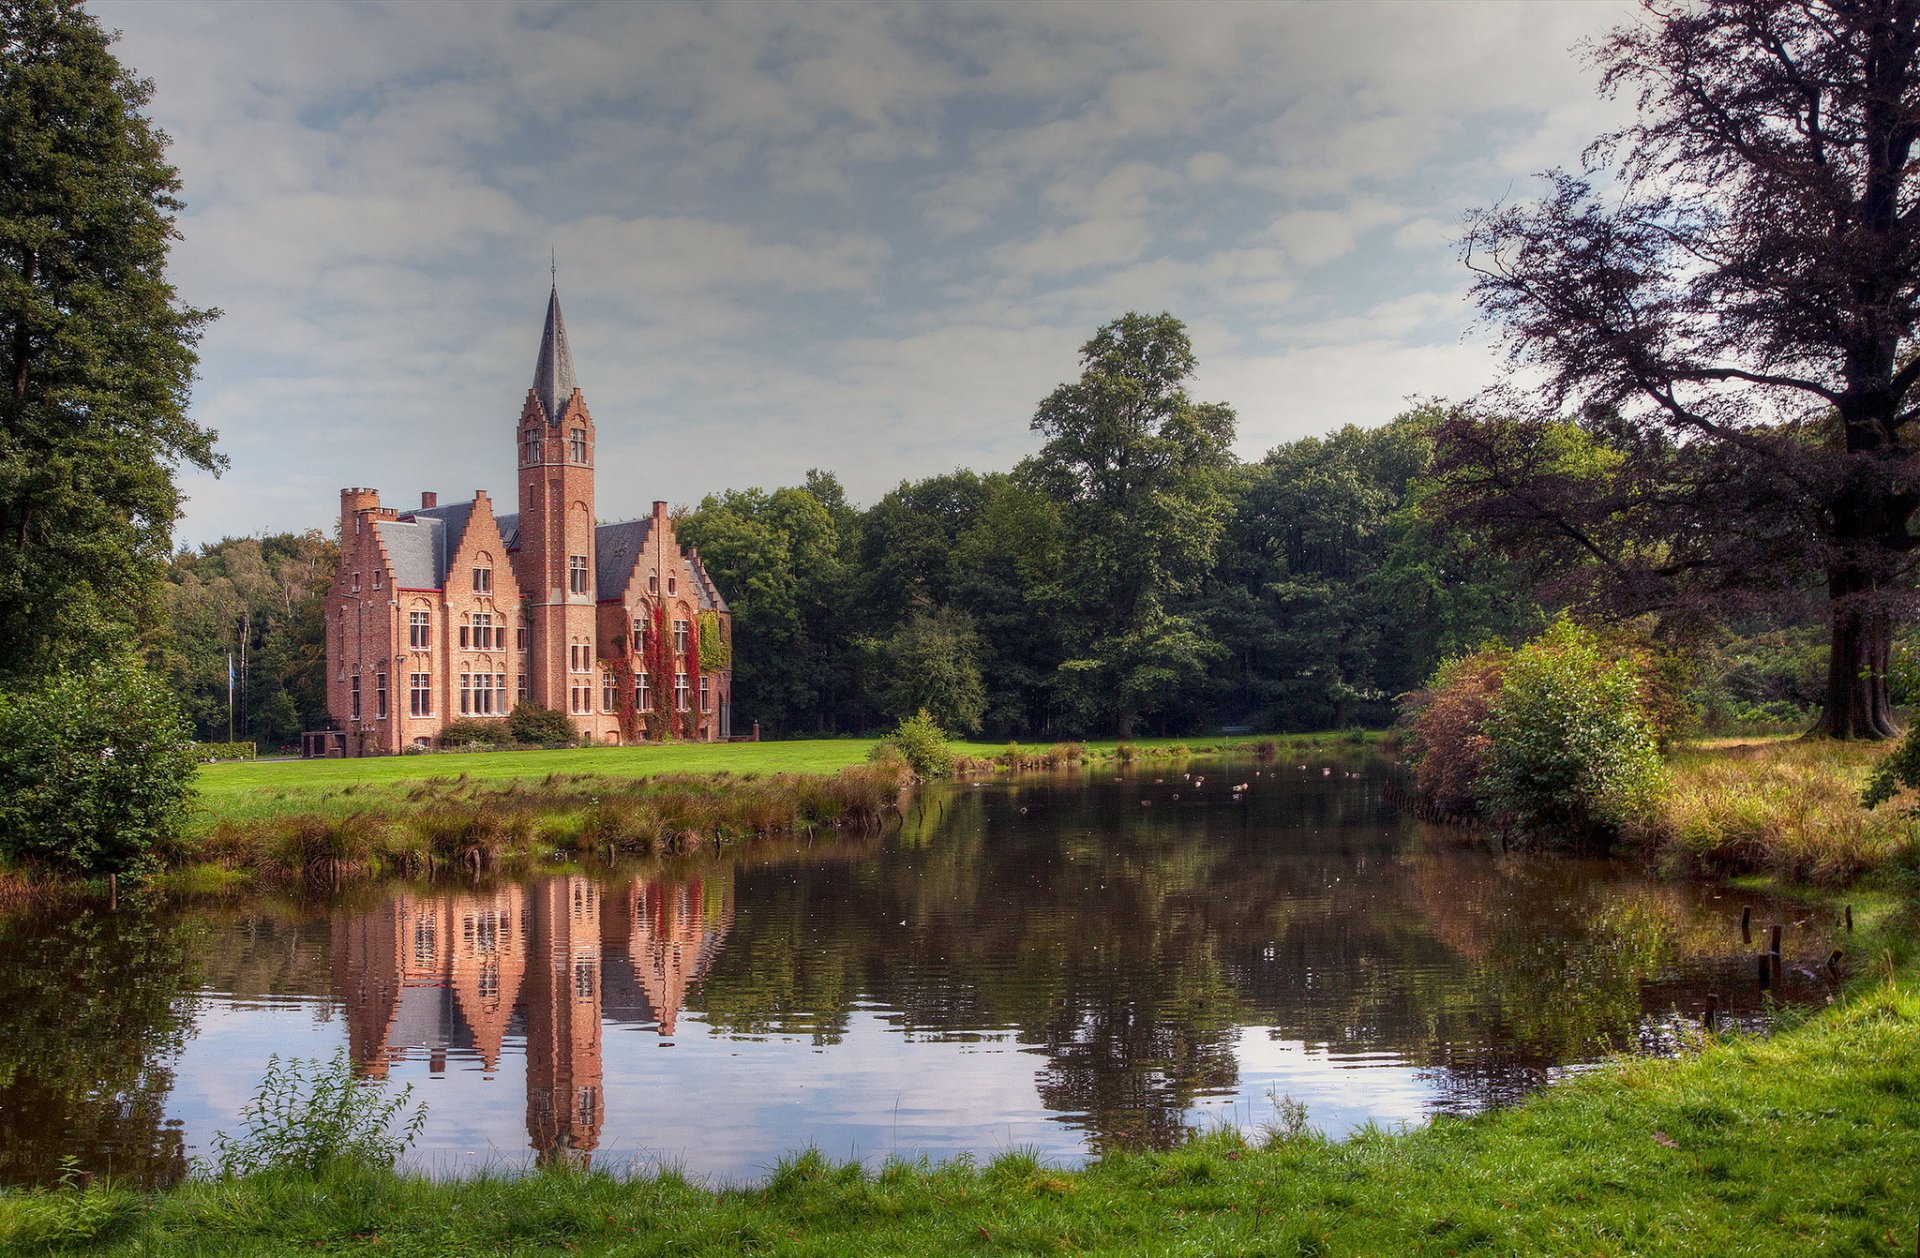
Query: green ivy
point(716, 653)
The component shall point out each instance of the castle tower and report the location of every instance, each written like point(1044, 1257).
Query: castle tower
point(555, 560)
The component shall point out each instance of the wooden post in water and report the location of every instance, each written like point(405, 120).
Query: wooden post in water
point(1833, 964)
point(1746, 923)
point(1713, 1007)
point(1773, 943)
point(1849, 919)
point(1765, 969)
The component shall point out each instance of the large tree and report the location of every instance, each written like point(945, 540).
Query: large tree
point(96, 351)
point(1140, 471)
point(1723, 306)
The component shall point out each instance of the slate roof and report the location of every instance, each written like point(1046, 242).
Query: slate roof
point(616, 549)
point(421, 543)
point(509, 529)
point(418, 551)
point(553, 381)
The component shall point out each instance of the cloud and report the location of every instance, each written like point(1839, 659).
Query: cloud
point(859, 236)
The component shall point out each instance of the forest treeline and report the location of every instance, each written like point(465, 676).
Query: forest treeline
point(1323, 592)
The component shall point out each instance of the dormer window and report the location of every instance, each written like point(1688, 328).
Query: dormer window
point(577, 445)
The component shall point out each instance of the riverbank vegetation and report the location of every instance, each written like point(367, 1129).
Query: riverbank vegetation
point(1804, 1141)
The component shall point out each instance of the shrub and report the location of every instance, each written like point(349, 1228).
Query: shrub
point(94, 770)
point(471, 733)
point(924, 744)
point(1445, 742)
point(531, 723)
point(311, 1114)
point(1570, 750)
point(208, 753)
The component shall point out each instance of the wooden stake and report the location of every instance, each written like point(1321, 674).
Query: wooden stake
point(1746, 923)
point(1765, 970)
point(1849, 919)
point(1773, 944)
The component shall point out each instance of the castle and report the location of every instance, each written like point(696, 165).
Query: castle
point(452, 613)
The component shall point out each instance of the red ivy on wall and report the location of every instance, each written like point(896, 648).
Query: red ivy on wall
point(659, 665)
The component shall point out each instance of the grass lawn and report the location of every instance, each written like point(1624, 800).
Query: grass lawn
point(261, 789)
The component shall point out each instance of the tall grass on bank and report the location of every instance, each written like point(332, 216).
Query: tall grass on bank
point(452, 824)
point(1787, 808)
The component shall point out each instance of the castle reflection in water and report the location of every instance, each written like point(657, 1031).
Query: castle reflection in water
point(550, 960)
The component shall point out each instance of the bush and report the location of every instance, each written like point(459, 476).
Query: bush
point(95, 770)
point(1445, 741)
point(531, 723)
point(208, 753)
point(471, 733)
point(920, 739)
point(309, 1115)
point(1570, 750)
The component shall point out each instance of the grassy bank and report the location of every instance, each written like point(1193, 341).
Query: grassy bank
point(1789, 808)
point(1805, 1142)
point(261, 790)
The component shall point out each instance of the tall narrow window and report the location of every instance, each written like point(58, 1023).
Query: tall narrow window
point(466, 639)
point(577, 445)
point(642, 693)
point(521, 690)
point(420, 693)
point(483, 631)
point(523, 637)
point(639, 638)
point(706, 694)
point(356, 696)
point(680, 692)
point(531, 452)
point(380, 696)
point(653, 583)
point(483, 580)
point(466, 694)
point(681, 637)
point(673, 583)
point(577, 573)
point(356, 583)
point(607, 692)
point(419, 630)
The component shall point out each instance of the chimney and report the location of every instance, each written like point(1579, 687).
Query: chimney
point(659, 510)
point(428, 499)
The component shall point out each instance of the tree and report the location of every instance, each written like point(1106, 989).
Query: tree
point(1732, 318)
point(94, 773)
point(932, 663)
point(96, 352)
point(1140, 471)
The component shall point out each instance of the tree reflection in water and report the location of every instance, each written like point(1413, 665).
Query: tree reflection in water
point(1126, 949)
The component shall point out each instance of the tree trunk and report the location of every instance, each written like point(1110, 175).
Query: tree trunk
point(1859, 652)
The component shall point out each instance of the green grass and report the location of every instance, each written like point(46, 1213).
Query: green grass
point(242, 791)
point(1807, 1142)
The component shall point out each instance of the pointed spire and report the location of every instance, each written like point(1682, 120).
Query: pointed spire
point(553, 381)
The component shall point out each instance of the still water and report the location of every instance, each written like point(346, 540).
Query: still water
point(1061, 964)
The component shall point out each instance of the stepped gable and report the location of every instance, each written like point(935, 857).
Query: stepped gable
point(617, 549)
point(709, 593)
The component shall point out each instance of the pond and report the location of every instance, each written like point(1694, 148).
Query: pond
point(1060, 964)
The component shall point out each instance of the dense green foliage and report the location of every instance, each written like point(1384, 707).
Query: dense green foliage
point(1131, 572)
point(1558, 741)
point(261, 604)
point(921, 742)
point(94, 770)
point(1571, 750)
point(96, 353)
point(531, 725)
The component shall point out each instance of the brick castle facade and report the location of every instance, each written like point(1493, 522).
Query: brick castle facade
point(447, 613)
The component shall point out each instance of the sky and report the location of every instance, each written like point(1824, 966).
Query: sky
point(866, 238)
